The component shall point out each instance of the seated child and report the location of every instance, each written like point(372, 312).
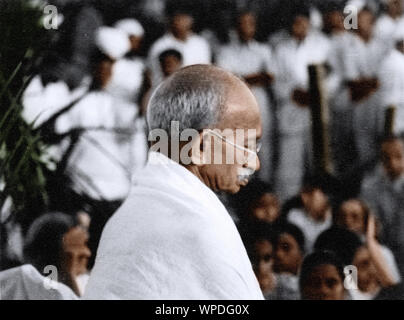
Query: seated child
point(354, 214)
point(288, 255)
point(322, 277)
point(373, 274)
point(314, 216)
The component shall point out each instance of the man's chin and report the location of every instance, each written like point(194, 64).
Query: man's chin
point(233, 190)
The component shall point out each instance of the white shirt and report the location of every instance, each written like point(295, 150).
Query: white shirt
point(100, 164)
point(26, 283)
point(385, 27)
point(127, 78)
point(171, 239)
point(362, 59)
point(194, 50)
point(391, 76)
point(311, 229)
point(42, 102)
point(292, 60)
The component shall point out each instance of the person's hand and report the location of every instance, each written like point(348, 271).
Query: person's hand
point(363, 88)
point(301, 97)
point(383, 270)
point(263, 79)
point(371, 229)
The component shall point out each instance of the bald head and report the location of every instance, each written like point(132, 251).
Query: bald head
point(195, 96)
point(203, 97)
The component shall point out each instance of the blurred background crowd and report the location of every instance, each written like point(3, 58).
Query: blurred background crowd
point(76, 100)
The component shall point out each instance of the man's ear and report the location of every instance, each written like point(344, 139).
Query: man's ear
point(199, 155)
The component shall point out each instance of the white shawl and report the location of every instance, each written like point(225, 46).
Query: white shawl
point(171, 239)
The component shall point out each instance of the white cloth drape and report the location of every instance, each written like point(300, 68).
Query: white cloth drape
point(171, 239)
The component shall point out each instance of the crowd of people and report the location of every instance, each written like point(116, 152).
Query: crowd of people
point(302, 228)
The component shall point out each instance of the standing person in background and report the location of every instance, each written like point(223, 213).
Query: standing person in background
point(128, 72)
point(391, 76)
point(129, 82)
point(98, 164)
point(293, 55)
point(252, 61)
point(388, 21)
point(194, 49)
point(363, 55)
point(341, 136)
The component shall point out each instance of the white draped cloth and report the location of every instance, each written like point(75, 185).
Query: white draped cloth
point(171, 239)
point(26, 283)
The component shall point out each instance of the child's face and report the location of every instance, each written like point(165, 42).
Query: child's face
point(170, 64)
point(352, 217)
point(315, 203)
point(288, 256)
point(267, 208)
point(263, 261)
point(323, 283)
point(367, 276)
point(135, 42)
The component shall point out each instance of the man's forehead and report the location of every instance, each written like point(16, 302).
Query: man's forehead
point(242, 113)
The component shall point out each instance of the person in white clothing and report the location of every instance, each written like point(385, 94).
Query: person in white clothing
point(391, 76)
point(99, 160)
point(251, 60)
point(194, 48)
point(293, 55)
point(387, 22)
point(172, 238)
point(130, 81)
point(314, 216)
point(363, 55)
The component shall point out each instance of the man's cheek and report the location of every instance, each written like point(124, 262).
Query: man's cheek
point(227, 179)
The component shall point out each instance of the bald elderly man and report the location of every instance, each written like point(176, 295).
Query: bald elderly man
point(172, 238)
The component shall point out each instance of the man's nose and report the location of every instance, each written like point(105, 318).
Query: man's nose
point(253, 164)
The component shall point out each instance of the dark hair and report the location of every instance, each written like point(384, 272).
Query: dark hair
point(291, 229)
point(170, 52)
point(97, 58)
point(365, 209)
point(175, 7)
point(300, 8)
point(243, 12)
point(342, 242)
point(315, 259)
point(256, 189)
point(391, 138)
point(254, 232)
point(44, 242)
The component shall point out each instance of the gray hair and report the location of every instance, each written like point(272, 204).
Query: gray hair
point(194, 96)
